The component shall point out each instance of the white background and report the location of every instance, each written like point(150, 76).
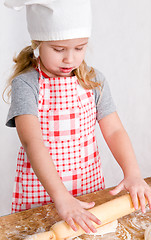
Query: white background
point(120, 47)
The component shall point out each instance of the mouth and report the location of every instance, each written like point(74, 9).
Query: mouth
point(66, 70)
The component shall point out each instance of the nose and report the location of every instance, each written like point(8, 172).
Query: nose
point(68, 57)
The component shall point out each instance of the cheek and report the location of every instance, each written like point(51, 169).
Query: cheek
point(43, 55)
point(80, 57)
point(48, 58)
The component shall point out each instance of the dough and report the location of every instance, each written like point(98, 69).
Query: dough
point(107, 228)
point(147, 234)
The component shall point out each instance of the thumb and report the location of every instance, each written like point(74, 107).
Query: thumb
point(117, 189)
point(87, 205)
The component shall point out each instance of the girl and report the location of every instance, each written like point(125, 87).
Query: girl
point(56, 100)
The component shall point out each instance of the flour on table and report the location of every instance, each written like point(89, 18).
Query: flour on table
point(147, 235)
point(40, 236)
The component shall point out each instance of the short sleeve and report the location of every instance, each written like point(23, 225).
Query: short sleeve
point(24, 97)
point(103, 98)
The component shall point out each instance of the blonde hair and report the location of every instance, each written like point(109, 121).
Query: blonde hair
point(26, 61)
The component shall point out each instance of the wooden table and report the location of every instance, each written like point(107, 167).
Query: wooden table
point(19, 225)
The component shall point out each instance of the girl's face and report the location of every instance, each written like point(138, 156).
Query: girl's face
point(60, 58)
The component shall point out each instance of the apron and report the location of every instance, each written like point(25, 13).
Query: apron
point(67, 115)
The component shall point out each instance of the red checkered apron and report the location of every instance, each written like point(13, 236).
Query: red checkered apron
point(67, 116)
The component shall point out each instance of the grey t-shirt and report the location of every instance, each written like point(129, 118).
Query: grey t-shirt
point(25, 96)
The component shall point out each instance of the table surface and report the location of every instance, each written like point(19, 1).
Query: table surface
point(17, 226)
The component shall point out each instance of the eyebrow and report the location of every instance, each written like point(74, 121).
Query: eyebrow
point(82, 44)
point(66, 46)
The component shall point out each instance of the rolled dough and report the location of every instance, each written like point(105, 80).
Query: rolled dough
point(147, 234)
point(107, 228)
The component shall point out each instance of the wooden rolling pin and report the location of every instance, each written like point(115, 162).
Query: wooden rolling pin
point(106, 212)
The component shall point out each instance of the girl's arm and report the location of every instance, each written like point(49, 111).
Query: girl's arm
point(69, 208)
point(121, 148)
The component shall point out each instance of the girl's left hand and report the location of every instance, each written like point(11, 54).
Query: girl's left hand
point(138, 189)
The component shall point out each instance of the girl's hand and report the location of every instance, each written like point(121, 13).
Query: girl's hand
point(138, 189)
point(73, 211)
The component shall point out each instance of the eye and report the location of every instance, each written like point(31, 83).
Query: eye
point(79, 48)
point(58, 49)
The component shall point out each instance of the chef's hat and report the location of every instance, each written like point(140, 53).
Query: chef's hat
point(55, 19)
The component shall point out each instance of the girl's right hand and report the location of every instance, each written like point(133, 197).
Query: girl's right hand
point(74, 211)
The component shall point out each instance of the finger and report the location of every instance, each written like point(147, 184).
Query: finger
point(141, 197)
point(117, 189)
point(93, 218)
point(81, 222)
point(148, 197)
point(134, 198)
point(89, 224)
point(71, 223)
point(87, 205)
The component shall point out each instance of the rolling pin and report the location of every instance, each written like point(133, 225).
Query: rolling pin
point(106, 213)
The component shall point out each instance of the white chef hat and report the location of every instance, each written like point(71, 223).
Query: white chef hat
point(49, 20)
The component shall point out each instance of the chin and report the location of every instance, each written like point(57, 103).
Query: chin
point(66, 74)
